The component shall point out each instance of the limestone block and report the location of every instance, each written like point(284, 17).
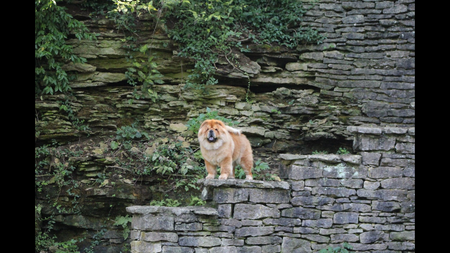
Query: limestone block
point(385, 172)
point(320, 223)
point(402, 236)
point(175, 249)
point(199, 241)
point(302, 172)
point(398, 183)
point(295, 245)
point(253, 231)
point(224, 249)
point(249, 211)
point(151, 222)
point(386, 206)
point(269, 196)
point(230, 195)
point(300, 212)
point(370, 237)
point(370, 158)
point(369, 143)
point(262, 240)
point(145, 247)
point(345, 217)
point(160, 236)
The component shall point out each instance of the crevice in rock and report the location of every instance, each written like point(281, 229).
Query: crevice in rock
point(261, 88)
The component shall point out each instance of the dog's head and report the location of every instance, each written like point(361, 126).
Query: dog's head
point(212, 130)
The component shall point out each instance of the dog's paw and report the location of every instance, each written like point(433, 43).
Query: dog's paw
point(210, 176)
point(223, 177)
point(248, 177)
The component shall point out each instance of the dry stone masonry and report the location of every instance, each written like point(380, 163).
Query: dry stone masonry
point(356, 90)
point(366, 200)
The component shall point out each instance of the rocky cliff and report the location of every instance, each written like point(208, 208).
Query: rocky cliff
point(295, 101)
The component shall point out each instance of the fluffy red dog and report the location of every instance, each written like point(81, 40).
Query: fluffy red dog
point(224, 146)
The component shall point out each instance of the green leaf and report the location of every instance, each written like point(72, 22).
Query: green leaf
point(138, 135)
point(143, 49)
point(114, 145)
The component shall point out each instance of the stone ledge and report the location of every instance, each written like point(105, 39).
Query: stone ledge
point(377, 130)
point(143, 210)
point(327, 158)
point(240, 183)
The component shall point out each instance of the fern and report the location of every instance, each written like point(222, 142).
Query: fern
point(123, 222)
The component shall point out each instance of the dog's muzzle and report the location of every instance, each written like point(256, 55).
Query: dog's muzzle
point(211, 136)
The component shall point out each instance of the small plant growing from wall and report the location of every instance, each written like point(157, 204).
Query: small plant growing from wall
point(343, 249)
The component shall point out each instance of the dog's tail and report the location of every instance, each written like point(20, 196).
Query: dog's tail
point(233, 130)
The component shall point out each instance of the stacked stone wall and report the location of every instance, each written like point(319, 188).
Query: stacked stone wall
point(302, 100)
point(366, 200)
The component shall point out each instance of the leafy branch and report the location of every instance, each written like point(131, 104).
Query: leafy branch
point(52, 27)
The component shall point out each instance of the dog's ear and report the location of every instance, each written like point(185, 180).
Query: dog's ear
point(204, 122)
point(220, 123)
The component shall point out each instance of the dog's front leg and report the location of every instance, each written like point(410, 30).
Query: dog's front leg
point(226, 168)
point(211, 169)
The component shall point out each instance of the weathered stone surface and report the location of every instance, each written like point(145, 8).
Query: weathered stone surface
point(383, 143)
point(153, 223)
point(370, 158)
point(246, 211)
point(160, 236)
point(269, 196)
point(345, 218)
point(238, 183)
point(174, 249)
point(230, 195)
point(370, 237)
point(398, 183)
point(199, 241)
point(320, 223)
point(141, 247)
point(302, 213)
point(294, 66)
point(386, 206)
point(196, 226)
point(402, 236)
point(253, 231)
point(385, 172)
point(301, 172)
point(295, 245)
point(262, 240)
point(224, 210)
point(388, 194)
point(178, 127)
point(311, 201)
point(342, 170)
point(171, 210)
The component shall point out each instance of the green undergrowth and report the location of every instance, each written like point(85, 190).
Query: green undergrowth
point(210, 30)
point(169, 165)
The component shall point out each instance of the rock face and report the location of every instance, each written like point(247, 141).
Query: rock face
point(326, 200)
point(356, 91)
point(363, 73)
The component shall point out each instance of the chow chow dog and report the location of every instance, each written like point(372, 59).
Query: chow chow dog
point(224, 146)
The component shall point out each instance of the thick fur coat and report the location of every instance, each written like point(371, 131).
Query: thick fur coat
point(224, 146)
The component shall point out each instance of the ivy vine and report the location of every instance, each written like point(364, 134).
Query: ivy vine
point(208, 30)
point(52, 27)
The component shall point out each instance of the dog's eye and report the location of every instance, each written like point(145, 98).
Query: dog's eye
point(217, 130)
